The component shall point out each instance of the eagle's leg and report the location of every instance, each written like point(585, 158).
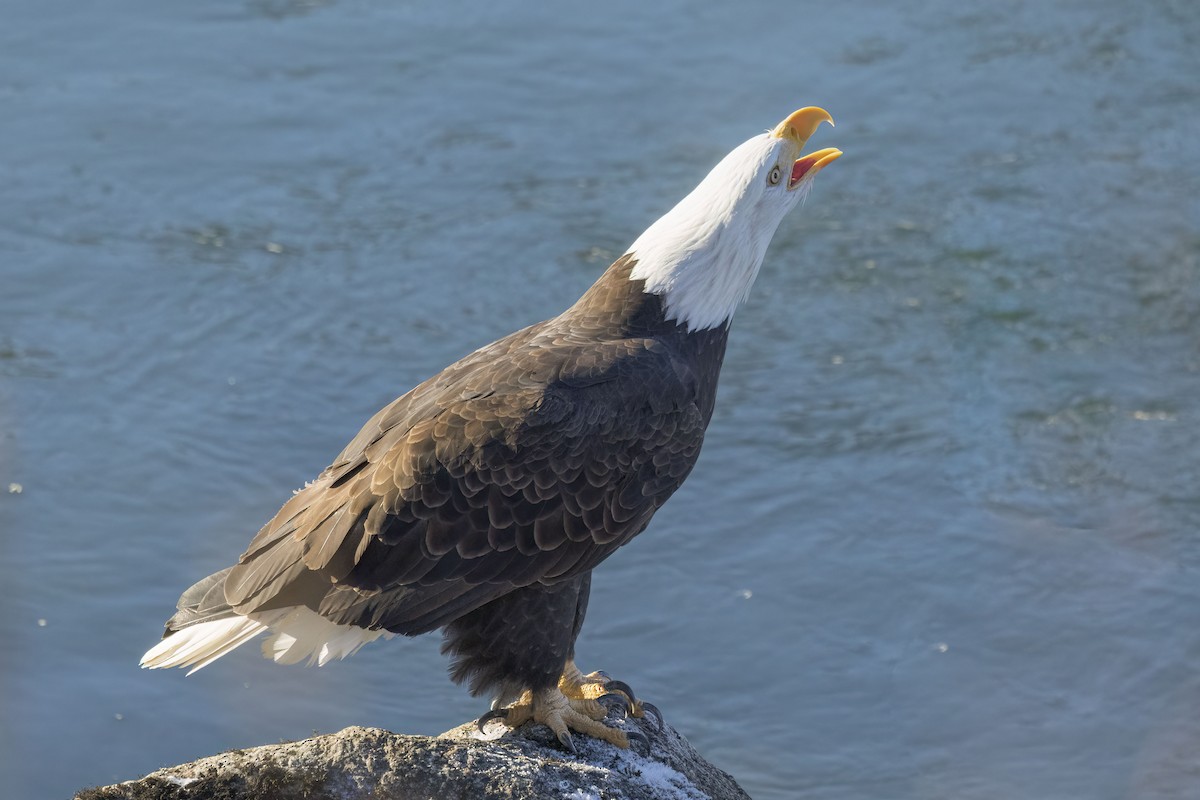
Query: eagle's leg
point(596, 686)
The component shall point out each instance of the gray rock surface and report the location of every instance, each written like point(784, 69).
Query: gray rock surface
point(372, 763)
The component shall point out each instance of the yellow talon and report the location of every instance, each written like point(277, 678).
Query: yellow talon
point(574, 705)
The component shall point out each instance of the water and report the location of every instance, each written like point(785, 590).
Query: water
point(942, 541)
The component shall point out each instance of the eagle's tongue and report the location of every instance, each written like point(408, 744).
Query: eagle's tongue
point(813, 162)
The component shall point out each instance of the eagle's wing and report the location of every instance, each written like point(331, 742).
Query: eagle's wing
point(530, 461)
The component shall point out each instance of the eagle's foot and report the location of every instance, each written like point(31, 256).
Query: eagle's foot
point(562, 714)
point(600, 687)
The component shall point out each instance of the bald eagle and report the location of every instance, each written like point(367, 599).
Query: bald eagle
point(480, 502)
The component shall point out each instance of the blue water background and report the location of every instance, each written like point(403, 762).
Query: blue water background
point(942, 542)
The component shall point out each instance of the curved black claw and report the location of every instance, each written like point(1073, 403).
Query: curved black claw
point(615, 700)
point(639, 737)
point(623, 687)
point(565, 740)
point(650, 708)
point(495, 713)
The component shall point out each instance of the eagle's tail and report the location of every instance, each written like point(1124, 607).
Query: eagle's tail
point(203, 629)
point(201, 644)
point(206, 627)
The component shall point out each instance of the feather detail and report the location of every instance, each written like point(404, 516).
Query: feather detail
point(302, 634)
point(298, 634)
point(199, 645)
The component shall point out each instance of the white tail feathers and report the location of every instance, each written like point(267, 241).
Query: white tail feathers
point(304, 634)
point(201, 644)
point(299, 634)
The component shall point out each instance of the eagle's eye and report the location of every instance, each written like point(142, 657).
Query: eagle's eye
point(776, 174)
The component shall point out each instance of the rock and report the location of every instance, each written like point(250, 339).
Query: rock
point(461, 763)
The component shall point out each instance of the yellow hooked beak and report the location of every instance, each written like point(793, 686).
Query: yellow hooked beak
point(797, 129)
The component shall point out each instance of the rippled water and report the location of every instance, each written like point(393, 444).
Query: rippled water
point(943, 538)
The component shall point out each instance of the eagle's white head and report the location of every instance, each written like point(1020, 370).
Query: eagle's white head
point(703, 255)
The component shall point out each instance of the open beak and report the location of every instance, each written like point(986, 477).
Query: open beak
point(797, 129)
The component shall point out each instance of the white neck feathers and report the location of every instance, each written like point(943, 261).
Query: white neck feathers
point(703, 255)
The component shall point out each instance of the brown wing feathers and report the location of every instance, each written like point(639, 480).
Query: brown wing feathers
point(480, 480)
